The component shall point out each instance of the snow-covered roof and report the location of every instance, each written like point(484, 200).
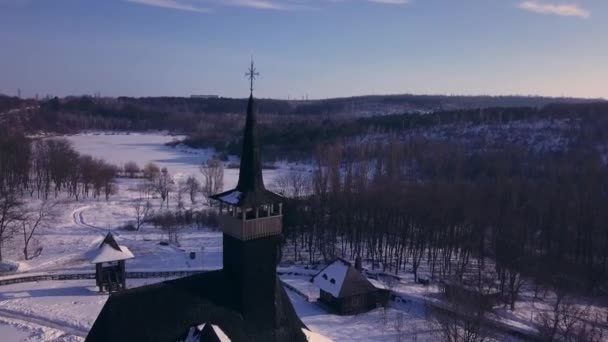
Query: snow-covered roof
point(315, 337)
point(331, 278)
point(232, 197)
point(108, 251)
point(341, 279)
point(194, 334)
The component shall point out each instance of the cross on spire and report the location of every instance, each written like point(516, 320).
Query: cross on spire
point(252, 74)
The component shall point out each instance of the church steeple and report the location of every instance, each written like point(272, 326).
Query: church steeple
point(250, 190)
point(250, 171)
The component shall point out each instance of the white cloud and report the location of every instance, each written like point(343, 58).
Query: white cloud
point(172, 4)
point(391, 2)
point(279, 5)
point(564, 10)
point(267, 4)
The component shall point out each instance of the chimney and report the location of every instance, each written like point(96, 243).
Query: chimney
point(358, 266)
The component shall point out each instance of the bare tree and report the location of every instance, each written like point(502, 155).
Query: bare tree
point(31, 221)
point(463, 321)
point(143, 210)
point(151, 171)
point(169, 224)
point(10, 214)
point(213, 172)
point(293, 184)
point(193, 187)
point(131, 169)
point(567, 320)
point(163, 185)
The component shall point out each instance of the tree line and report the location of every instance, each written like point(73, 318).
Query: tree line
point(404, 204)
point(44, 169)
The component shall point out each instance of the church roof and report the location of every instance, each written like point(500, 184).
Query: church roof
point(109, 250)
point(250, 189)
point(341, 279)
point(206, 333)
point(166, 311)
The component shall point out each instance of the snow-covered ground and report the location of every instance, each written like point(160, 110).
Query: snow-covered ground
point(65, 311)
point(52, 310)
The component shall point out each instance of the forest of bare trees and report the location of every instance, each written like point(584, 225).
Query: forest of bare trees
point(407, 203)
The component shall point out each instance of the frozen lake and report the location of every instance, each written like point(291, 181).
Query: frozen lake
point(142, 148)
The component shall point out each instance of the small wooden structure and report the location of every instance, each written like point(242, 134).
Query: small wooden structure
point(109, 259)
point(347, 291)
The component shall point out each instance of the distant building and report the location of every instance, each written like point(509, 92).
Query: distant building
point(204, 96)
point(347, 291)
point(109, 259)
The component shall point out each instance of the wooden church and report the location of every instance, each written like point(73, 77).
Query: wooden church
point(245, 300)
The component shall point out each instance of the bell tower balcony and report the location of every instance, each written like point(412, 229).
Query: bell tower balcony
point(249, 224)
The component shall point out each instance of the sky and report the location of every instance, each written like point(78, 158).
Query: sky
point(314, 48)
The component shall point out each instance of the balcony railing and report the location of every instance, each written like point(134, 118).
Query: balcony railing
point(251, 229)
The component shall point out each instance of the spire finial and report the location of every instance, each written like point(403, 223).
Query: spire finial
point(251, 74)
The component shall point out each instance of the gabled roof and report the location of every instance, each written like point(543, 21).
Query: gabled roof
point(166, 311)
point(250, 189)
point(341, 279)
point(206, 333)
point(109, 250)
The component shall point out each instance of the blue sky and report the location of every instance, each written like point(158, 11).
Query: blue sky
point(319, 48)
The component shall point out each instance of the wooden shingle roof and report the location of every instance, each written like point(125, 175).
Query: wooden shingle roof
point(164, 312)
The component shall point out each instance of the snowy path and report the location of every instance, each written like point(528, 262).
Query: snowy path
point(28, 319)
point(78, 218)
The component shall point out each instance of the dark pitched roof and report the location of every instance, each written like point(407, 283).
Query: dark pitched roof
point(110, 241)
point(250, 189)
point(165, 312)
point(209, 335)
point(205, 333)
point(341, 279)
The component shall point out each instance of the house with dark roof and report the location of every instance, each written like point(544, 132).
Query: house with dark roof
point(109, 259)
point(245, 300)
point(346, 290)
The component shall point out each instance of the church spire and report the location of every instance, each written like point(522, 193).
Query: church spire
point(250, 172)
point(250, 190)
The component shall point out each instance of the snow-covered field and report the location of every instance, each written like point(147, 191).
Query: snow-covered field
point(143, 148)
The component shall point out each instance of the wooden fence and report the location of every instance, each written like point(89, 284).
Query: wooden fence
point(82, 276)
